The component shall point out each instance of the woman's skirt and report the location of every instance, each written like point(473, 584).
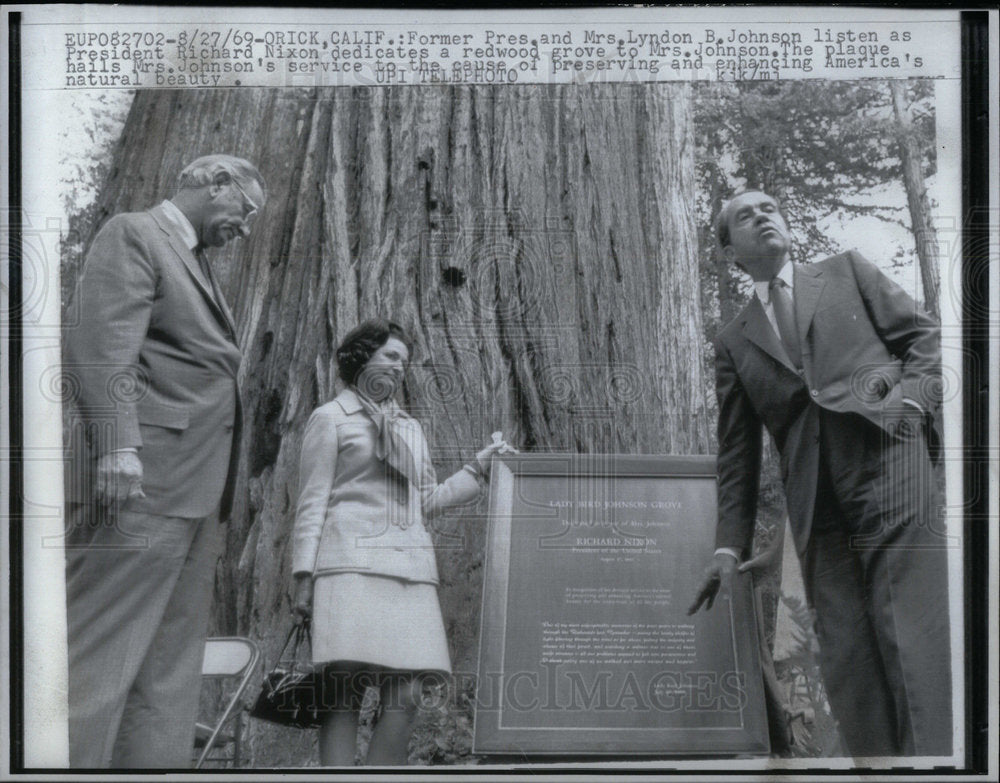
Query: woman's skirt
point(378, 620)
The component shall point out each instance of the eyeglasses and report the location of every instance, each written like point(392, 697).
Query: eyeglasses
point(246, 200)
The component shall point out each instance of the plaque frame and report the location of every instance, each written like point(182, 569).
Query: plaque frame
point(492, 738)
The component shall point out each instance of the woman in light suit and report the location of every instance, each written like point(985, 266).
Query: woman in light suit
point(363, 560)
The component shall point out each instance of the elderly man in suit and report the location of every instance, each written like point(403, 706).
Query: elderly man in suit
point(843, 369)
point(155, 439)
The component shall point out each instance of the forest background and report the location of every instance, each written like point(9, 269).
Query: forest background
point(551, 246)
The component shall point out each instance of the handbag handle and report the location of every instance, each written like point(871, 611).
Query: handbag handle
point(300, 632)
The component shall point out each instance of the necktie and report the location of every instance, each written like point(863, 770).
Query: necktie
point(213, 286)
point(784, 314)
point(390, 446)
point(206, 270)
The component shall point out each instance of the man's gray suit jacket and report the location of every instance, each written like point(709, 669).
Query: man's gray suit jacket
point(152, 364)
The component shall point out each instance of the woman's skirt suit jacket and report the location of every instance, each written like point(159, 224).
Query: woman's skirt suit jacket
point(360, 522)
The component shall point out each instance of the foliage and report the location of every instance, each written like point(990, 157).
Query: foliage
point(822, 148)
point(443, 734)
point(88, 144)
point(813, 725)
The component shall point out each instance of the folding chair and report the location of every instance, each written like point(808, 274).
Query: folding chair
point(226, 657)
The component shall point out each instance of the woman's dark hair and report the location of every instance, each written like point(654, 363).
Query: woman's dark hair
point(361, 343)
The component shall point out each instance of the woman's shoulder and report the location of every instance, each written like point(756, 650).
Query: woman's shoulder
point(340, 407)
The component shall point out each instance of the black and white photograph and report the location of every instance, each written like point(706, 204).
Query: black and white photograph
point(537, 392)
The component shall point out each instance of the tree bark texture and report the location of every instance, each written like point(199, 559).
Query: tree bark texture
point(538, 242)
point(924, 234)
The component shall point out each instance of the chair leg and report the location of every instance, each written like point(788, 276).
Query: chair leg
point(237, 738)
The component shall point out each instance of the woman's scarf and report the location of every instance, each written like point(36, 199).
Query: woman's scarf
point(390, 445)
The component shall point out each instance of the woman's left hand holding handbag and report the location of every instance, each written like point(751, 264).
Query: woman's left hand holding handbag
point(302, 601)
point(292, 694)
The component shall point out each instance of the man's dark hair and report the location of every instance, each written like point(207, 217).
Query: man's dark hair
point(362, 342)
point(722, 223)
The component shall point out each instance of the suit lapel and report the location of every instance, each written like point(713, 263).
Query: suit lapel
point(808, 287)
point(191, 263)
point(220, 301)
point(758, 330)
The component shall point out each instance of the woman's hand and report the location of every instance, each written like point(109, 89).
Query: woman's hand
point(302, 602)
point(498, 446)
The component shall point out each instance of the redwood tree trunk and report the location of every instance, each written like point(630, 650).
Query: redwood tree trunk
point(924, 234)
point(539, 242)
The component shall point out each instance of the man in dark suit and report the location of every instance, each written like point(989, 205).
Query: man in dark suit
point(154, 450)
point(843, 369)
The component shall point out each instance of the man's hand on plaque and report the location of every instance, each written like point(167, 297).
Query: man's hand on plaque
point(718, 575)
point(764, 560)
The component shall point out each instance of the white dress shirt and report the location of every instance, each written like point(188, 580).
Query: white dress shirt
point(179, 219)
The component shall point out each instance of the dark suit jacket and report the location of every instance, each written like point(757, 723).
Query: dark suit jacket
point(152, 364)
point(865, 347)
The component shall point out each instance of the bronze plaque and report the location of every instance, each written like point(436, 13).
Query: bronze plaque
point(585, 645)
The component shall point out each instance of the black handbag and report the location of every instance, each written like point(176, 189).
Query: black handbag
point(293, 690)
